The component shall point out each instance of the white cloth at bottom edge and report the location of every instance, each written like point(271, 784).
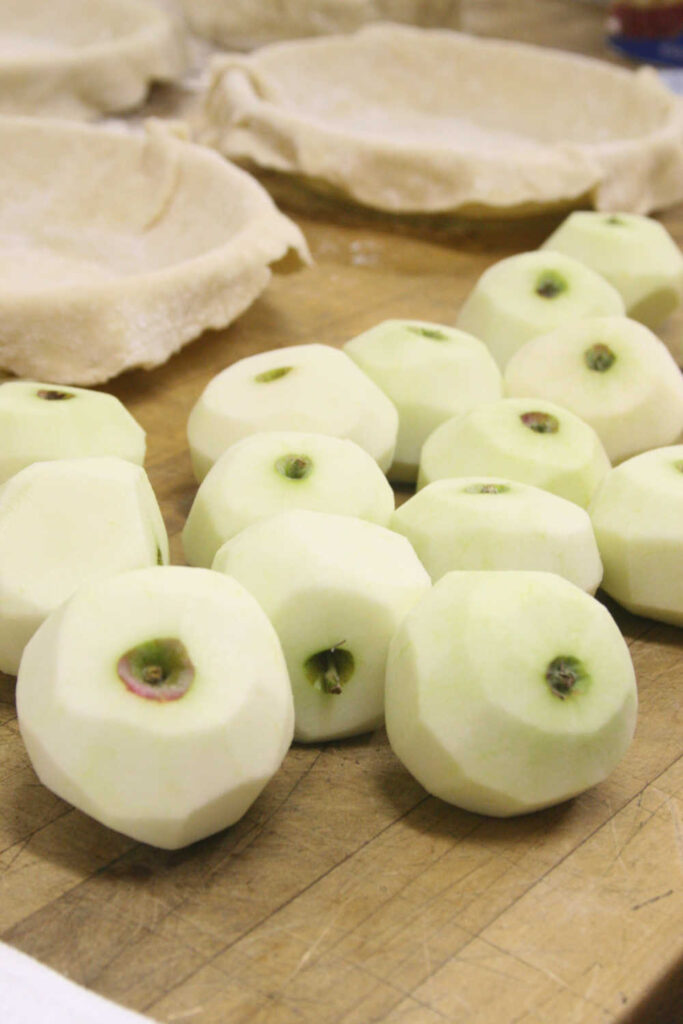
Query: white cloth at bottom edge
point(33, 994)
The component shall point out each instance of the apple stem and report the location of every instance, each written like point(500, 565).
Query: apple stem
point(328, 670)
point(266, 376)
point(550, 284)
point(562, 675)
point(433, 333)
point(159, 670)
point(599, 357)
point(294, 467)
point(540, 422)
point(331, 681)
point(53, 395)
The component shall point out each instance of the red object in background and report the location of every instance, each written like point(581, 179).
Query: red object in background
point(659, 21)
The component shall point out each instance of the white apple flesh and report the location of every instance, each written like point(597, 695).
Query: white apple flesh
point(634, 253)
point(335, 589)
point(157, 701)
point(430, 372)
point(63, 523)
point(43, 421)
point(275, 470)
point(532, 293)
point(492, 523)
point(638, 519)
point(508, 692)
point(612, 372)
point(310, 388)
point(526, 439)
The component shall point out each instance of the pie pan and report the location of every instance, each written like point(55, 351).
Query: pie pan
point(80, 58)
point(245, 24)
point(412, 120)
point(116, 248)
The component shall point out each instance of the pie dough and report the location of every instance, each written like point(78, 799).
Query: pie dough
point(244, 24)
point(80, 58)
point(117, 248)
point(410, 120)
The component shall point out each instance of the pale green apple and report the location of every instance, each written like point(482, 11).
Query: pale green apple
point(430, 372)
point(612, 372)
point(532, 293)
point(46, 421)
point(63, 523)
point(310, 388)
point(526, 439)
point(157, 701)
point(494, 523)
point(335, 589)
point(634, 253)
point(508, 692)
point(638, 519)
point(276, 470)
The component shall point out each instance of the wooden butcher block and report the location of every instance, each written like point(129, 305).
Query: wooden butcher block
point(347, 895)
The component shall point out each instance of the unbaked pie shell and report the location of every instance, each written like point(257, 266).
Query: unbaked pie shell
point(410, 120)
point(82, 58)
point(245, 24)
point(117, 248)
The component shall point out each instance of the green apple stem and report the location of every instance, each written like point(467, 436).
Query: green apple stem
point(599, 357)
point(275, 374)
point(294, 467)
point(486, 489)
point(428, 332)
point(562, 675)
point(330, 669)
point(550, 284)
point(158, 670)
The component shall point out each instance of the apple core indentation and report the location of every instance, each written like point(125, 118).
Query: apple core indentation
point(330, 669)
point(679, 465)
point(159, 669)
point(486, 489)
point(428, 332)
point(540, 422)
point(54, 394)
point(294, 467)
point(599, 357)
point(615, 221)
point(275, 374)
point(550, 284)
point(566, 675)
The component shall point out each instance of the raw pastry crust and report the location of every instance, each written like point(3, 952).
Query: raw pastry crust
point(416, 121)
point(245, 24)
point(118, 248)
point(80, 58)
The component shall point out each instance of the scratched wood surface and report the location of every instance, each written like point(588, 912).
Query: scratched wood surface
point(347, 895)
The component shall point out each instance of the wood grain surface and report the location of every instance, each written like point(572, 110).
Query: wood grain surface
point(347, 895)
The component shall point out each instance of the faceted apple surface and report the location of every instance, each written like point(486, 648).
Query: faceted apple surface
point(507, 692)
point(430, 372)
point(636, 254)
point(493, 523)
point(276, 470)
point(613, 373)
point(525, 439)
point(310, 388)
point(63, 523)
point(532, 293)
point(44, 421)
point(335, 589)
point(157, 701)
point(638, 519)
